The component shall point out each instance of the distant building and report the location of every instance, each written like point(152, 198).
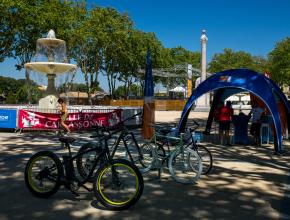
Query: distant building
point(81, 98)
point(42, 88)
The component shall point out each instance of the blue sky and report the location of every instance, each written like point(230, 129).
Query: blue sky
point(253, 26)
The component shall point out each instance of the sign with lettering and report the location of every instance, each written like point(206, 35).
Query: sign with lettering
point(8, 118)
point(75, 121)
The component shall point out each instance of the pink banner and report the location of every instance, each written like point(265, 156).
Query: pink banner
point(75, 121)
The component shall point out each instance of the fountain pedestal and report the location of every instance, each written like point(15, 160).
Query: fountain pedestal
point(50, 99)
point(50, 90)
point(48, 102)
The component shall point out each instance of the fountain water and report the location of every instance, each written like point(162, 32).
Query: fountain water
point(51, 60)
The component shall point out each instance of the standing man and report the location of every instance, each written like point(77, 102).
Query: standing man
point(64, 114)
point(224, 117)
point(256, 113)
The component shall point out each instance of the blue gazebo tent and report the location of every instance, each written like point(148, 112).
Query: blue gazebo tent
point(229, 82)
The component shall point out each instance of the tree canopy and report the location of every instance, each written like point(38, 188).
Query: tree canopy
point(230, 59)
point(279, 62)
point(16, 90)
point(104, 41)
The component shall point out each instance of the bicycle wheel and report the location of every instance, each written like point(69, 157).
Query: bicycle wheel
point(86, 161)
point(185, 166)
point(42, 174)
point(118, 185)
point(143, 158)
point(206, 158)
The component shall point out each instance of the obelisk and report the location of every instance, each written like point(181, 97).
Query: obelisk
point(203, 101)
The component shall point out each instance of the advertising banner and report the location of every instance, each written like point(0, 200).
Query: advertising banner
point(8, 118)
point(75, 121)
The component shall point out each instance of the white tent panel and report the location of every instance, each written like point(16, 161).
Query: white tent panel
point(178, 89)
point(246, 98)
point(233, 98)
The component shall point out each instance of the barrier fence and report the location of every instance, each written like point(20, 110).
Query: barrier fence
point(160, 105)
point(32, 118)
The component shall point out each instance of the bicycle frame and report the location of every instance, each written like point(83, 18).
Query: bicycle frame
point(178, 146)
point(68, 163)
point(122, 137)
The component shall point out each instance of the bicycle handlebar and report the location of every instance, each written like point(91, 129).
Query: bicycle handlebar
point(115, 128)
point(103, 136)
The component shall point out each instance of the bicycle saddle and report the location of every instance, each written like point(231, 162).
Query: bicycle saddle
point(66, 140)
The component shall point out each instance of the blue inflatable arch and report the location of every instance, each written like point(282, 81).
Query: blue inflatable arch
point(229, 82)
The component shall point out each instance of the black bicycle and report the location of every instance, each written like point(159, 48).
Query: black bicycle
point(121, 138)
point(117, 183)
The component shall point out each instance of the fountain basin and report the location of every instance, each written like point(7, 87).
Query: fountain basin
point(50, 67)
point(50, 42)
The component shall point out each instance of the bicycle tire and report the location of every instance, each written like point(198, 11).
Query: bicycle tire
point(51, 172)
point(185, 166)
point(206, 158)
point(108, 187)
point(86, 161)
point(143, 160)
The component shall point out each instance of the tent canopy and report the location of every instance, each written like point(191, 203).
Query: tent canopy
point(230, 82)
point(246, 98)
point(178, 89)
point(233, 98)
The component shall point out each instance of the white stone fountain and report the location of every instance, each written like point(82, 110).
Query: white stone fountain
point(50, 60)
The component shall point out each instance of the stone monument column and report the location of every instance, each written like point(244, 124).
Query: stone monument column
point(203, 40)
point(203, 101)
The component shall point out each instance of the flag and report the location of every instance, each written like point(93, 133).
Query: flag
point(148, 107)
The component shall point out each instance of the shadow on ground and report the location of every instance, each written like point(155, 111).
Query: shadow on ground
point(245, 183)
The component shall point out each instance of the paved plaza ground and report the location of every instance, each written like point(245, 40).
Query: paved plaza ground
point(247, 182)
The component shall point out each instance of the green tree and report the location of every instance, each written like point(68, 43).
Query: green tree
point(279, 65)
point(134, 91)
point(10, 99)
point(7, 27)
point(79, 87)
point(260, 64)
point(90, 40)
point(137, 45)
point(233, 60)
point(19, 90)
point(117, 29)
point(29, 20)
point(75, 87)
point(180, 55)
